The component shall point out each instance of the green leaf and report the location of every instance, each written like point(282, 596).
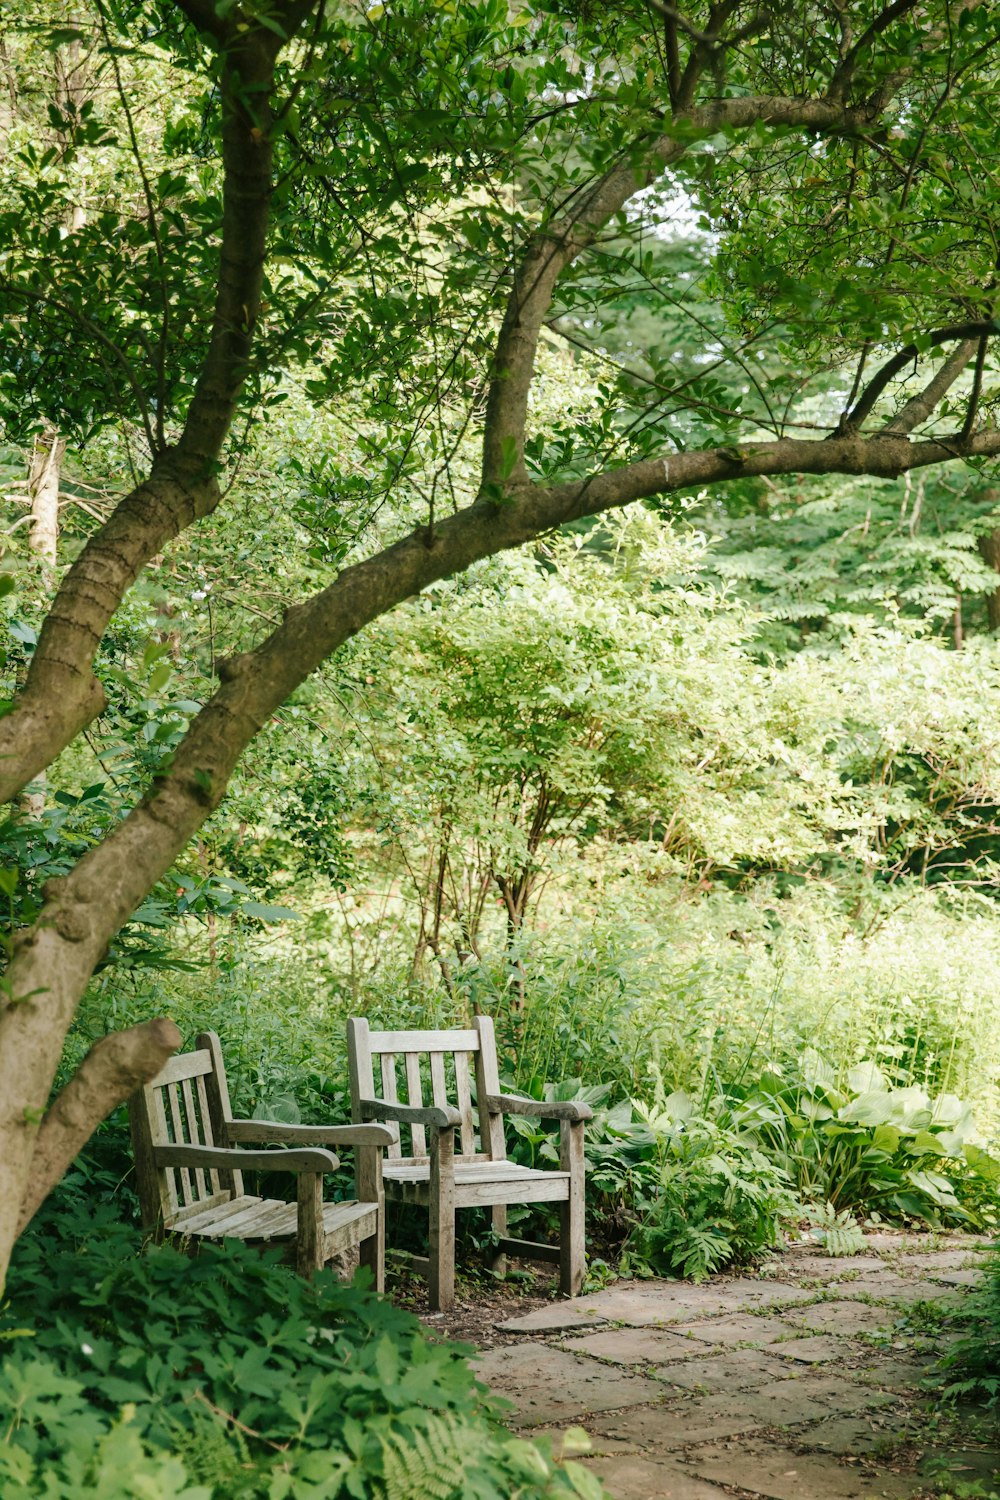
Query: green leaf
point(267, 913)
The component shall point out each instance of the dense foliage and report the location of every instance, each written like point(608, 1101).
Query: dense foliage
point(230, 1378)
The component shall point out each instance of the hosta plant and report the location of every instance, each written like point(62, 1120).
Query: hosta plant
point(862, 1146)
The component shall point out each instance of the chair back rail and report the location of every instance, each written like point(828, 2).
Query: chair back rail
point(436, 1062)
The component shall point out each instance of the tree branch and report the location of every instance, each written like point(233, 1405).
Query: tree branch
point(919, 407)
point(113, 1068)
point(852, 420)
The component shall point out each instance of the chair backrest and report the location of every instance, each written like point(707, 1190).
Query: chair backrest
point(429, 1067)
point(187, 1103)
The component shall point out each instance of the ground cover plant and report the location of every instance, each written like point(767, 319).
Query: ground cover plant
point(226, 1377)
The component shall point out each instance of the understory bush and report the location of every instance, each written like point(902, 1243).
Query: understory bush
point(713, 1199)
point(971, 1366)
point(226, 1377)
point(867, 1148)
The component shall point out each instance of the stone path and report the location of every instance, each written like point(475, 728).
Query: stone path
point(803, 1383)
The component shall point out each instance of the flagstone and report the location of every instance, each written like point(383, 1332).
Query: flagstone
point(782, 1474)
point(549, 1385)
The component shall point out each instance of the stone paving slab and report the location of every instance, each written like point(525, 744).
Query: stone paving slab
point(946, 1260)
point(805, 1398)
point(676, 1425)
point(888, 1288)
point(901, 1374)
point(831, 1266)
point(549, 1385)
point(844, 1318)
point(744, 1328)
point(782, 1474)
point(747, 1296)
point(637, 1478)
point(638, 1346)
point(817, 1349)
point(874, 1433)
point(737, 1370)
point(555, 1319)
point(958, 1277)
point(637, 1306)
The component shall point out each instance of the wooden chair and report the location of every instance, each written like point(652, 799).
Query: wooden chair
point(448, 1167)
point(190, 1177)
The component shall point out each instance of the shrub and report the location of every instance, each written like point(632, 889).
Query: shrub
point(870, 1148)
point(971, 1367)
point(226, 1377)
point(718, 1201)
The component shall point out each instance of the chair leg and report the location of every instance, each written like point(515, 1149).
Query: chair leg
point(498, 1217)
point(368, 1177)
point(441, 1252)
point(572, 1256)
point(309, 1242)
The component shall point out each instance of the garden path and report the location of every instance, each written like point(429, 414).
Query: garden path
point(805, 1382)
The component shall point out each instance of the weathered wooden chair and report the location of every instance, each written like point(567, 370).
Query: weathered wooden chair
point(190, 1177)
point(445, 1174)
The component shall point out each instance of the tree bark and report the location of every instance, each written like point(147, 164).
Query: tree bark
point(43, 494)
point(989, 547)
point(112, 1070)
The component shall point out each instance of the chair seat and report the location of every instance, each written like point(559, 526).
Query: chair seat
point(477, 1181)
point(247, 1218)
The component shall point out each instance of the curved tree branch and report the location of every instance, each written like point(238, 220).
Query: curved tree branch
point(61, 695)
point(865, 404)
point(919, 407)
point(113, 1068)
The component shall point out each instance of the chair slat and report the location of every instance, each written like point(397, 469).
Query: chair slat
point(488, 1082)
point(194, 1136)
point(463, 1099)
point(415, 1096)
point(219, 1108)
point(388, 1062)
point(182, 1174)
point(439, 1084)
point(184, 1065)
point(424, 1041)
point(207, 1133)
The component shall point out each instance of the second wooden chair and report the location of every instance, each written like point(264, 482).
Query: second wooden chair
point(448, 1166)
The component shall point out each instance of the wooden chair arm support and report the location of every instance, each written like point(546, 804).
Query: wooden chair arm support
point(309, 1135)
point(443, 1117)
point(247, 1161)
point(542, 1109)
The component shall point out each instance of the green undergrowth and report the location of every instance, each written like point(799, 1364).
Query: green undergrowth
point(971, 1367)
point(158, 1376)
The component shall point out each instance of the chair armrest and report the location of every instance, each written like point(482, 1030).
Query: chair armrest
point(249, 1161)
point(309, 1135)
point(542, 1109)
point(443, 1116)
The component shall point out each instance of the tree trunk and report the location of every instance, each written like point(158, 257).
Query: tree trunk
point(989, 551)
point(43, 493)
point(44, 472)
